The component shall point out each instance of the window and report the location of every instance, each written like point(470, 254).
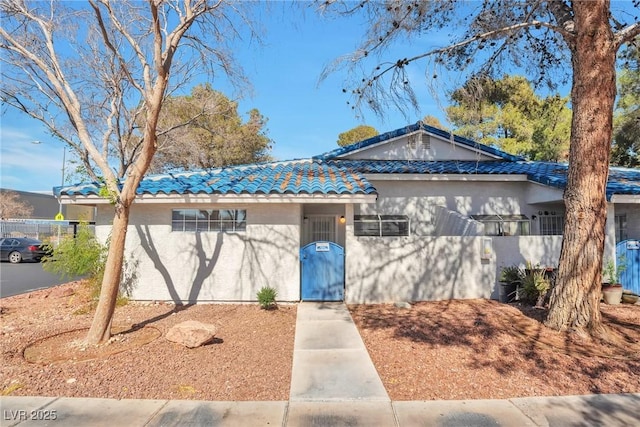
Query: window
point(551, 225)
point(504, 225)
point(381, 225)
point(621, 227)
point(319, 228)
point(209, 220)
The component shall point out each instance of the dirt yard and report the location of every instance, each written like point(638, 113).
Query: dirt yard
point(479, 349)
point(250, 358)
point(473, 349)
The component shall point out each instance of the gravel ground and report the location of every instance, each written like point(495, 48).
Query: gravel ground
point(250, 359)
point(472, 349)
point(479, 349)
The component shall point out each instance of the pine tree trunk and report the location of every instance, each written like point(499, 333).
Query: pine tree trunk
point(100, 330)
point(575, 300)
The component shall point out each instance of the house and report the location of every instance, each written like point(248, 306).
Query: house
point(412, 214)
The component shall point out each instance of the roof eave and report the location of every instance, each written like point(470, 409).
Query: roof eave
point(175, 198)
point(624, 198)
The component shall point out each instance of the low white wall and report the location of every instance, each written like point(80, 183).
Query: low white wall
point(189, 267)
point(436, 268)
point(518, 250)
point(382, 269)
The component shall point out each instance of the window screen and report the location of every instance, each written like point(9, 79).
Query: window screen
point(381, 225)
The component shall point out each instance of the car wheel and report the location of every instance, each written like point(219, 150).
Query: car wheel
point(15, 257)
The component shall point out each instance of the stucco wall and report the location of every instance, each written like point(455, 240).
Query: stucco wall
point(437, 268)
point(518, 250)
point(418, 200)
point(438, 149)
point(186, 266)
point(437, 262)
point(416, 268)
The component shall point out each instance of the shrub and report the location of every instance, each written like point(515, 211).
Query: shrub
point(267, 297)
point(534, 286)
point(83, 255)
point(611, 273)
point(511, 274)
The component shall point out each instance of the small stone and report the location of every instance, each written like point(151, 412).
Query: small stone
point(71, 380)
point(402, 304)
point(191, 333)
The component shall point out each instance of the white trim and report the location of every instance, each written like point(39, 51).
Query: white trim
point(444, 177)
point(345, 156)
point(625, 198)
point(231, 198)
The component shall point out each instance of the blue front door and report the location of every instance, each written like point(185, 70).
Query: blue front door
point(322, 271)
point(628, 256)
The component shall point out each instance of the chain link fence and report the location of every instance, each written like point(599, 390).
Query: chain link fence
point(44, 230)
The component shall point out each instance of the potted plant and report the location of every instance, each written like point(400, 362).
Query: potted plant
point(511, 278)
point(611, 286)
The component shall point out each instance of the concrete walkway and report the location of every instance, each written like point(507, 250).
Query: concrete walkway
point(334, 383)
point(330, 361)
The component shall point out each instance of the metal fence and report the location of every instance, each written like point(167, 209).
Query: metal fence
point(44, 230)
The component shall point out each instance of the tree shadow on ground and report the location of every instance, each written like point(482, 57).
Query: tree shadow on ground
point(177, 308)
point(500, 342)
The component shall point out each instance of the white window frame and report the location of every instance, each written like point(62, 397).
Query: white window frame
point(209, 220)
point(501, 225)
point(381, 226)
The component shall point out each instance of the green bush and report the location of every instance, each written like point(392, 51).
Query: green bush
point(611, 273)
point(534, 286)
point(511, 274)
point(267, 297)
point(82, 255)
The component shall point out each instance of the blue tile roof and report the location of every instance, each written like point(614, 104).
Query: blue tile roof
point(338, 152)
point(291, 177)
point(328, 174)
point(621, 180)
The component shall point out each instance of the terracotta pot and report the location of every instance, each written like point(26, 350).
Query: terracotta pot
point(612, 294)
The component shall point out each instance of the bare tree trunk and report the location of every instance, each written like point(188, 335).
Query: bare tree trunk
point(100, 330)
point(575, 300)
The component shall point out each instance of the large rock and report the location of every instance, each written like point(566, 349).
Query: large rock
point(191, 333)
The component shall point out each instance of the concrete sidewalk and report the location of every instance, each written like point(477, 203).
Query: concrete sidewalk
point(333, 383)
point(616, 410)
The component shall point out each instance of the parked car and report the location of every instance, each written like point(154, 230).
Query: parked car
point(18, 249)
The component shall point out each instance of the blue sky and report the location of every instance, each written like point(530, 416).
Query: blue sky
point(305, 116)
